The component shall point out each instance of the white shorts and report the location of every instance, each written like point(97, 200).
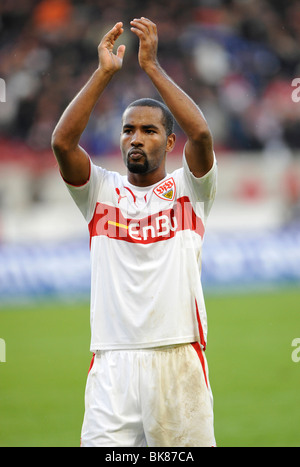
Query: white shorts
point(151, 397)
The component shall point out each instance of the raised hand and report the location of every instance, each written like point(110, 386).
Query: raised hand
point(108, 60)
point(146, 31)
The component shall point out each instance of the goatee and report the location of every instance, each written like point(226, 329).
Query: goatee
point(138, 167)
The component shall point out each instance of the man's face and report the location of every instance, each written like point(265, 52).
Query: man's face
point(144, 141)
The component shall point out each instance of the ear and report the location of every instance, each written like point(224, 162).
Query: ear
point(171, 139)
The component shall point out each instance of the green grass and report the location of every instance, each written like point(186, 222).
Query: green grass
point(42, 382)
point(254, 380)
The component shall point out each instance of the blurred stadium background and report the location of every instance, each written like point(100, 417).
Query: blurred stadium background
point(237, 59)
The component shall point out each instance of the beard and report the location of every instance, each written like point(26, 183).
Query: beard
point(138, 167)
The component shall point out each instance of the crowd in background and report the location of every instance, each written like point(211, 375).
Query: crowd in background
point(235, 58)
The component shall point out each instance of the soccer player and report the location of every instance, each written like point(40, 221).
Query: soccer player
point(148, 382)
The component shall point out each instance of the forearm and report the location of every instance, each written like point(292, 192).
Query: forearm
point(73, 160)
point(187, 114)
point(76, 116)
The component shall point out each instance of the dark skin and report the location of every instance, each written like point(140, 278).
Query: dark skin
point(153, 144)
point(144, 145)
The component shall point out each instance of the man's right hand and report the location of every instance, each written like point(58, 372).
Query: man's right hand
point(108, 61)
point(72, 159)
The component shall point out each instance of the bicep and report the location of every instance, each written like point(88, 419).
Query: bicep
point(74, 165)
point(199, 154)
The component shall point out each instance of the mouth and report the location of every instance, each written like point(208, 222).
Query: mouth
point(136, 154)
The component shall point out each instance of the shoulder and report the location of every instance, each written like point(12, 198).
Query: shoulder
point(201, 187)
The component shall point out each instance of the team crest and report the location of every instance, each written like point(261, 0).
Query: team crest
point(166, 190)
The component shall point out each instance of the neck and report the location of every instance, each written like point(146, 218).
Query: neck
point(147, 179)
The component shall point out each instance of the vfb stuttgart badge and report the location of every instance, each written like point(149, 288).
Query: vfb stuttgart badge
point(166, 190)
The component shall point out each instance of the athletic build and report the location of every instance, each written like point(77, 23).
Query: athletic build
point(148, 384)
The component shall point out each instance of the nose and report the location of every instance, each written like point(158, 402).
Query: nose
point(136, 139)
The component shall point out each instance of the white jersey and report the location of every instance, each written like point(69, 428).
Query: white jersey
point(146, 257)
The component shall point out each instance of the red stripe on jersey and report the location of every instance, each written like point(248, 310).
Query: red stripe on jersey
point(198, 349)
point(109, 221)
point(201, 333)
point(92, 363)
point(132, 194)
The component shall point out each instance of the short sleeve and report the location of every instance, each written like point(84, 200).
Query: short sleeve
point(201, 189)
point(85, 196)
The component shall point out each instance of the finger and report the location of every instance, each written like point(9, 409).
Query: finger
point(137, 32)
point(144, 25)
point(147, 22)
point(121, 52)
point(114, 33)
point(142, 35)
point(118, 30)
point(141, 25)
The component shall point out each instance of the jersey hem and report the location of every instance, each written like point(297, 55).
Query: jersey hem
point(145, 345)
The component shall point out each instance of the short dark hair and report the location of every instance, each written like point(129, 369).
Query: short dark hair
point(168, 119)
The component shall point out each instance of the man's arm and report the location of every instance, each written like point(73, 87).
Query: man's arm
point(199, 146)
point(72, 159)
